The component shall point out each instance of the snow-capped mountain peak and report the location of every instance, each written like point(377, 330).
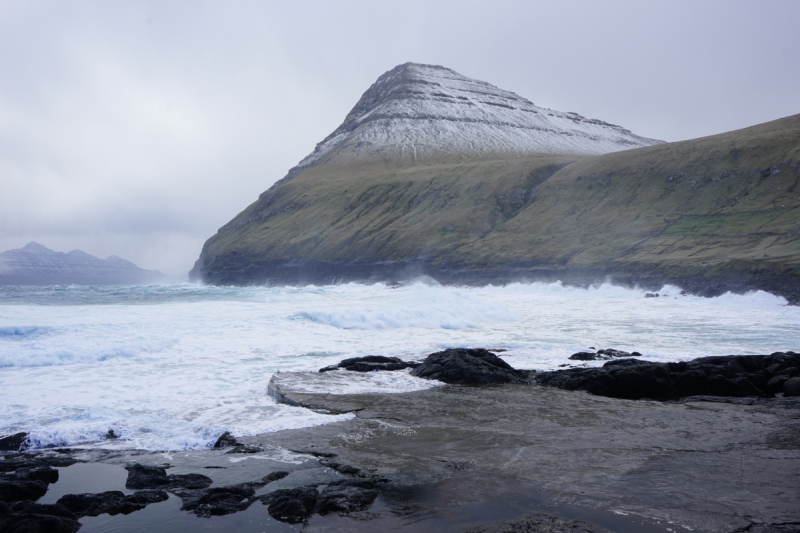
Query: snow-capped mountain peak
point(422, 112)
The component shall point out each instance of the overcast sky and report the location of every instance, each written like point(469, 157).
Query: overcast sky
point(139, 128)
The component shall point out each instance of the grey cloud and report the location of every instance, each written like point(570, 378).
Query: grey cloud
point(139, 128)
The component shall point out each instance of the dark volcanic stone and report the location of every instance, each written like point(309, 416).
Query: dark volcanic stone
point(217, 501)
point(154, 477)
point(731, 376)
point(225, 440)
point(112, 502)
point(23, 462)
point(371, 362)
point(585, 356)
point(346, 496)
point(26, 483)
point(246, 449)
point(468, 366)
point(792, 387)
point(28, 517)
point(14, 443)
point(291, 505)
point(540, 523)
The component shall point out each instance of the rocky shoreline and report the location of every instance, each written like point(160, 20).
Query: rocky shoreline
point(494, 449)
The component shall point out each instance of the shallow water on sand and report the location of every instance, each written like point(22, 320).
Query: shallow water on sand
point(172, 367)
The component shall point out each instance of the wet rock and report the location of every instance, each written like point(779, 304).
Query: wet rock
point(730, 376)
point(34, 461)
point(217, 501)
point(29, 517)
point(315, 453)
point(792, 387)
point(346, 496)
point(469, 366)
point(370, 363)
point(651, 295)
point(246, 449)
point(26, 483)
point(341, 468)
point(291, 505)
point(541, 523)
point(585, 356)
point(226, 440)
point(14, 443)
point(112, 502)
point(154, 477)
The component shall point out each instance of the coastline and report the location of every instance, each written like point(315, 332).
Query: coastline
point(705, 281)
point(472, 458)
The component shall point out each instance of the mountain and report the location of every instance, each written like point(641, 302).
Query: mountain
point(518, 192)
point(35, 264)
point(421, 113)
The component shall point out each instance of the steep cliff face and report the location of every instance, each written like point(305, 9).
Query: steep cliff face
point(501, 192)
point(35, 264)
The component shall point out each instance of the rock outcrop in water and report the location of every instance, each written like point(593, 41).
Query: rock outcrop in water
point(155, 477)
point(728, 376)
point(469, 366)
point(370, 363)
point(35, 264)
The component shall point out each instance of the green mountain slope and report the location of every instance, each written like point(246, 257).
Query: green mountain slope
point(714, 213)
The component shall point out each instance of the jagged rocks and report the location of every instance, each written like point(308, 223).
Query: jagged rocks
point(469, 366)
point(26, 483)
point(217, 501)
point(540, 523)
point(225, 440)
point(155, 477)
point(20, 461)
point(291, 505)
point(791, 387)
point(602, 355)
point(736, 376)
point(112, 502)
point(29, 517)
point(346, 496)
point(14, 443)
point(370, 363)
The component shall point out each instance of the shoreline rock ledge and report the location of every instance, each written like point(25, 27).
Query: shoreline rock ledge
point(760, 376)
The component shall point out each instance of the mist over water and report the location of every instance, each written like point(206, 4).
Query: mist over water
point(171, 367)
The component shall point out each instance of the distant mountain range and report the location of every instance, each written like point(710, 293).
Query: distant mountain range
point(35, 264)
point(435, 173)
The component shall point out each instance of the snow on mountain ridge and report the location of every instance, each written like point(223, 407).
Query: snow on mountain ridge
point(426, 111)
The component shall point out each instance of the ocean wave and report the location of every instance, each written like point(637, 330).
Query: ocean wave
point(21, 332)
point(76, 354)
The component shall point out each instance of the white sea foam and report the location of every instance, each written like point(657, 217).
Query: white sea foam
point(172, 367)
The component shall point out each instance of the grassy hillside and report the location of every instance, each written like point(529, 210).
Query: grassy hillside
point(717, 208)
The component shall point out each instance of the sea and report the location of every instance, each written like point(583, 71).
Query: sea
point(171, 367)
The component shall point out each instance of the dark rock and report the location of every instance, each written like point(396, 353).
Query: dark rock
point(225, 440)
point(154, 477)
point(217, 501)
point(346, 496)
point(246, 449)
point(651, 295)
point(371, 362)
point(792, 387)
point(540, 523)
point(24, 461)
point(469, 366)
point(585, 356)
point(610, 352)
point(315, 453)
point(14, 443)
point(26, 483)
point(341, 468)
point(729, 376)
point(55, 509)
point(112, 502)
point(291, 505)
point(28, 517)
